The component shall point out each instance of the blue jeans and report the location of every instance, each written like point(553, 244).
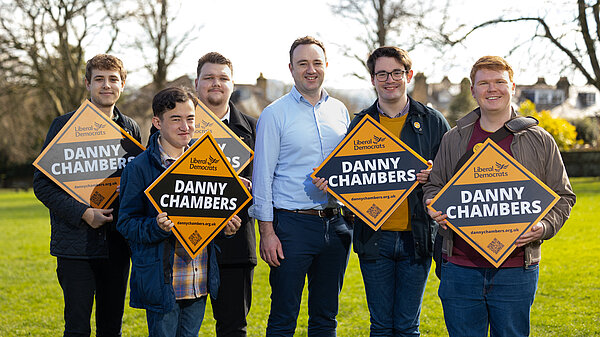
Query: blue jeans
point(319, 248)
point(394, 285)
point(478, 299)
point(184, 320)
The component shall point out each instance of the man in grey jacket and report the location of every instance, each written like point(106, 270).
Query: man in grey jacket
point(475, 295)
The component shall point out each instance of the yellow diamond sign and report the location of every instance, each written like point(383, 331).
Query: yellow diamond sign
point(87, 156)
point(492, 200)
point(200, 192)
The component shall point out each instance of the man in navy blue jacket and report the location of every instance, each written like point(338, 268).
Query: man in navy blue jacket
point(395, 259)
point(165, 280)
point(92, 257)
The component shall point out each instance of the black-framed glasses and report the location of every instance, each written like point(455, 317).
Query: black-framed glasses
point(397, 75)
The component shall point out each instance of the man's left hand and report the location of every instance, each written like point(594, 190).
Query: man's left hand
point(320, 183)
point(534, 234)
point(233, 225)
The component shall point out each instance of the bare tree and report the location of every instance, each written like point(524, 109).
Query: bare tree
point(42, 45)
point(42, 66)
point(386, 22)
point(155, 19)
point(575, 34)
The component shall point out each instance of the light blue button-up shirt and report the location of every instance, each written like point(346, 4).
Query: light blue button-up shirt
point(292, 138)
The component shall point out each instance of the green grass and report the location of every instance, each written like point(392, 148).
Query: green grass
point(567, 301)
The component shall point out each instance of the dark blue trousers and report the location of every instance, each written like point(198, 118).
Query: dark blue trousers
point(314, 247)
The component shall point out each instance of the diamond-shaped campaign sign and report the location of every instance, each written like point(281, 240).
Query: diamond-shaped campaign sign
point(371, 171)
point(236, 151)
point(87, 156)
point(493, 200)
point(200, 193)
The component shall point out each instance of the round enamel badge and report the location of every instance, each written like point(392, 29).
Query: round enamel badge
point(417, 125)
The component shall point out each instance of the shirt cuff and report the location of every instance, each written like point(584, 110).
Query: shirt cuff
point(260, 213)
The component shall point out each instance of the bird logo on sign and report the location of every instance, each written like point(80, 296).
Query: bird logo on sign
point(378, 139)
point(212, 160)
point(500, 166)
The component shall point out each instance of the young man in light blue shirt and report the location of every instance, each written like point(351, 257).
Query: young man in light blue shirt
point(302, 231)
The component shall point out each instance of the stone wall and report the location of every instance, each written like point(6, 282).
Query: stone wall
point(582, 163)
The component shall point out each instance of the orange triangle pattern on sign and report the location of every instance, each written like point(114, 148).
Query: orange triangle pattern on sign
point(492, 200)
point(200, 192)
point(236, 151)
point(371, 172)
point(87, 156)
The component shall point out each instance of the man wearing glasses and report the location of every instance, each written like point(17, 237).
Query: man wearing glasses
point(395, 260)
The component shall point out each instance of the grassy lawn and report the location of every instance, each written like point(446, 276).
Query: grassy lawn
point(567, 301)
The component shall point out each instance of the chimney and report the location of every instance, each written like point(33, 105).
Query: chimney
point(446, 84)
point(540, 80)
point(419, 92)
point(261, 82)
point(563, 84)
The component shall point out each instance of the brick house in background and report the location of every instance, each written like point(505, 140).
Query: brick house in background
point(563, 99)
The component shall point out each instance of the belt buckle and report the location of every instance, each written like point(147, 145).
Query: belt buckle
point(328, 212)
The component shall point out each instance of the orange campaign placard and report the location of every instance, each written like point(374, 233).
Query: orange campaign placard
point(87, 156)
point(493, 200)
point(200, 192)
point(371, 171)
point(236, 151)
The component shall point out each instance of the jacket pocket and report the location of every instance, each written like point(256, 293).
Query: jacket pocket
point(146, 285)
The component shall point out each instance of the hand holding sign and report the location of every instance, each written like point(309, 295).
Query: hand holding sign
point(201, 193)
point(97, 217)
point(320, 183)
point(423, 176)
point(163, 222)
point(233, 225)
point(371, 171)
point(437, 216)
point(535, 233)
point(494, 203)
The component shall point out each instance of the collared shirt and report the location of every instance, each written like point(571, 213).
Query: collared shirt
point(189, 275)
point(227, 117)
point(402, 113)
point(292, 138)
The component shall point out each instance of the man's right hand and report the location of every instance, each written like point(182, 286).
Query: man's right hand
point(96, 217)
point(270, 246)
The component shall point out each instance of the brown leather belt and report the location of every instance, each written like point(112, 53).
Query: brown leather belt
point(322, 213)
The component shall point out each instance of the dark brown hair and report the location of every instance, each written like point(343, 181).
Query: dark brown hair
point(168, 98)
point(306, 40)
point(388, 51)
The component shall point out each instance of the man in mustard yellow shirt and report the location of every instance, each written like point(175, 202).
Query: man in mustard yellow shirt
point(395, 260)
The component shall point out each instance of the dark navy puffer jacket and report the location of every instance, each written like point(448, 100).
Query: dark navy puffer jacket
point(70, 236)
